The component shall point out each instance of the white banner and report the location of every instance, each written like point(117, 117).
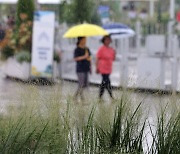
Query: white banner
point(43, 44)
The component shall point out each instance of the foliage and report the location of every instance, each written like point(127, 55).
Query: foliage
point(8, 45)
point(23, 56)
point(178, 1)
point(24, 36)
point(166, 138)
point(24, 42)
point(24, 7)
point(7, 52)
point(165, 18)
point(51, 127)
point(62, 14)
point(82, 10)
point(56, 57)
point(78, 11)
point(125, 135)
point(24, 19)
point(155, 25)
point(20, 37)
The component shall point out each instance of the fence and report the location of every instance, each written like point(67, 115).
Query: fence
point(132, 54)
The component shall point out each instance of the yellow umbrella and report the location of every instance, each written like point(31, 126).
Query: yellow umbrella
point(85, 30)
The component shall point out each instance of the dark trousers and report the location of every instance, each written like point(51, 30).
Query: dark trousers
point(106, 84)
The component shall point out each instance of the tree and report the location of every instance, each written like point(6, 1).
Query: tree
point(78, 11)
point(62, 11)
point(159, 12)
point(82, 10)
point(27, 7)
point(24, 20)
point(178, 1)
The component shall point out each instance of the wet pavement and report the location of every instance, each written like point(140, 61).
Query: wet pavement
point(13, 93)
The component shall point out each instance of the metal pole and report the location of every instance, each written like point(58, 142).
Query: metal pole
point(124, 76)
point(172, 42)
point(170, 34)
point(172, 9)
point(170, 25)
point(151, 8)
point(162, 75)
point(138, 37)
point(175, 64)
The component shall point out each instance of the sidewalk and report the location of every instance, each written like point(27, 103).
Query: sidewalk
point(15, 93)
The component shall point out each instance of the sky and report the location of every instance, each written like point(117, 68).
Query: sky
point(40, 1)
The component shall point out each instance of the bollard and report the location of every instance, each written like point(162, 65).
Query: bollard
point(124, 67)
point(170, 37)
point(138, 36)
point(174, 64)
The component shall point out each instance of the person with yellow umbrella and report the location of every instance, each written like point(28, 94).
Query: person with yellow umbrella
point(82, 54)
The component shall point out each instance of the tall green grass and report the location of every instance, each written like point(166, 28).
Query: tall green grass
point(166, 133)
point(51, 126)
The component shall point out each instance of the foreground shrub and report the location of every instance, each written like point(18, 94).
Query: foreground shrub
point(6, 53)
point(49, 127)
point(166, 137)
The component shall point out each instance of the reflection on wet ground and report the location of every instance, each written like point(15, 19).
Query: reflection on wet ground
point(12, 93)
